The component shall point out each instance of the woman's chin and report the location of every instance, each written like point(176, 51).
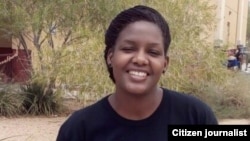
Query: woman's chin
point(137, 90)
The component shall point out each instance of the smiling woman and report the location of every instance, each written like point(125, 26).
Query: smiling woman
point(137, 42)
point(138, 60)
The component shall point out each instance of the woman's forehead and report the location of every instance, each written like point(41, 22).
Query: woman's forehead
point(141, 30)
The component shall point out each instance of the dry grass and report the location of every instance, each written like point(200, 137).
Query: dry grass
point(230, 100)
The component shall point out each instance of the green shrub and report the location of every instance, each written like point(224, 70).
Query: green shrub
point(10, 100)
point(40, 99)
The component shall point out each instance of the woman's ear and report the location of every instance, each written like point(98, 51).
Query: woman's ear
point(166, 64)
point(110, 56)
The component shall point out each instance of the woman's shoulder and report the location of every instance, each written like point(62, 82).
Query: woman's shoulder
point(181, 97)
point(185, 100)
point(184, 104)
point(89, 112)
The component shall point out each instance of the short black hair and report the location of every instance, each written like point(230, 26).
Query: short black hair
point(128, 16)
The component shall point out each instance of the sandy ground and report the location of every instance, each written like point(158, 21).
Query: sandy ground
point(46, 129)
point(30, 128)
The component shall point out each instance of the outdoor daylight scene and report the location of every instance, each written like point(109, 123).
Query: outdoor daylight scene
point(97, 70)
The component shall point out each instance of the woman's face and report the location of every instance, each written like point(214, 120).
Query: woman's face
point(138, 58)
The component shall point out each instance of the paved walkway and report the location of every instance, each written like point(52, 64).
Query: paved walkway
point(244, 67)
point(46, 129)
point(234, 121)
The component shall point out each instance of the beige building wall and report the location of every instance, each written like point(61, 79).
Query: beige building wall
point(4, 42)
point(231, 24)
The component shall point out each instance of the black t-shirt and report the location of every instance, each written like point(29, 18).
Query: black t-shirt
point(99, 122)
point(237, 55)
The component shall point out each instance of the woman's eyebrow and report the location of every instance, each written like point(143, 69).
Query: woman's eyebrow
point(129, 41)
point(154, 44)
point(133, 42)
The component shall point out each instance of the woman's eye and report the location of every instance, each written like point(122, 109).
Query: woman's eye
point(155, 53)
point(127, 49)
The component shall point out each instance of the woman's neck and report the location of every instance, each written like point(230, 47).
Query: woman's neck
point(136, 107)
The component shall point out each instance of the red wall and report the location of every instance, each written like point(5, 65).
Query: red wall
point(17, 69)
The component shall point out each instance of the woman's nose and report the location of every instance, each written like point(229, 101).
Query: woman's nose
point(140, 58)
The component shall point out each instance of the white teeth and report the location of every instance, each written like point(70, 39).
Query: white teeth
point(137, 73)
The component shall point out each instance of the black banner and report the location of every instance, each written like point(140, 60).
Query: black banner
point(209, 132)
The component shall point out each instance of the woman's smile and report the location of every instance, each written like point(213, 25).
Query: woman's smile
point(137, 76)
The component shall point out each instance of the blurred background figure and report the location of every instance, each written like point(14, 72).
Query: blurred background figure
point(232, 62)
